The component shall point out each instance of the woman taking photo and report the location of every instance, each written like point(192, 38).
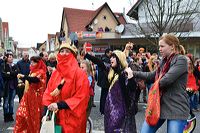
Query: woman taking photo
point(174, 103)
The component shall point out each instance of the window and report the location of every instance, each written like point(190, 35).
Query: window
point(107, 29)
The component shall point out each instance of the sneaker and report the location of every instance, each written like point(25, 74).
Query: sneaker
point(195, 110)
point(198, 110)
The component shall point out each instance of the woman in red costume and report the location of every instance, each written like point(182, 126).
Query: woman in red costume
point(192, 87)
point(72, 86)
point(28, 116)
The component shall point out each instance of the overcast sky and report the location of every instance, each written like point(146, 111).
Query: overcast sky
point(31, 20)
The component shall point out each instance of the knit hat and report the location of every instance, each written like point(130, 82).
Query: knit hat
point(72, 47)
point(122, 58)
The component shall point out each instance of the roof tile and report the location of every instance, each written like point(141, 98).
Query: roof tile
point(85, 17)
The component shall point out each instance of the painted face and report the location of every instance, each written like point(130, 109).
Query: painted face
point(65, 51)
point(165, 49)
point(113, 61)
point(83, 67)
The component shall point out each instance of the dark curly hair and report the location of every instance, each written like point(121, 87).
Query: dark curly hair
point(35, 59)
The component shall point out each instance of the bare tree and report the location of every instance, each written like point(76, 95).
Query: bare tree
point(157, 17)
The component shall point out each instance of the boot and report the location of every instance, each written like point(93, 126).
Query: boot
point(6, 118)
point(10, 117)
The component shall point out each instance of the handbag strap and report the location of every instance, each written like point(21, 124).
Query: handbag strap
point(52, 117)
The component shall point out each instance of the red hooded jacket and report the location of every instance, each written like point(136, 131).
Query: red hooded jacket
point(75, 93)
point(192, 82)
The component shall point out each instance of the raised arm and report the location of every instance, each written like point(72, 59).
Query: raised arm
point(95, 60)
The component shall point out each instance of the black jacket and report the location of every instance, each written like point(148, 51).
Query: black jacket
point(8, 74)
point(102, 80)
point(1, 79)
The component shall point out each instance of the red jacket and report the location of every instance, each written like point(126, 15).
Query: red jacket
point(192, 82)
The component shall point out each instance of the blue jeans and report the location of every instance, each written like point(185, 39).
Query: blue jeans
point(8, 102)
point(173, 126)
point(194, 101)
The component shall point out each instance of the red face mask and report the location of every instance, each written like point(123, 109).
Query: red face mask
point(66, 64)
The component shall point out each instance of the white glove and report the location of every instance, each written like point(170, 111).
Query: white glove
point(129, 72)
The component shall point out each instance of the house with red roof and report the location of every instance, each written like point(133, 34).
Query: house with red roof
point(50, 42)
point(5, 35)
point(32, 51)
point(101, 27)
point(57, 44)
point(1, 37)
point(21, 51)
point(41, 46)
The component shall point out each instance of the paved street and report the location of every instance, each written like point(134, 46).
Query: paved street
point(96, 117)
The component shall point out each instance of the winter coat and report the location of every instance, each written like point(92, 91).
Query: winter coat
point(24, 67)
point(9, 73)
point(174, 100)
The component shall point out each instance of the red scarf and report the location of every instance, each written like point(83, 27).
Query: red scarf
point(67, 65)
point(166, 66)
point(40, 65)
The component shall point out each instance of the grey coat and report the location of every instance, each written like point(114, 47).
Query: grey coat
point(174, 100)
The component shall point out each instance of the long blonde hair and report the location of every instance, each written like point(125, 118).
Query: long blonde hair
point(88, 65)
point(112, 76)
point(151, 62)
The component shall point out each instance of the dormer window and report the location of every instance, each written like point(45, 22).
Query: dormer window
point(107, 29)
point(100, 29)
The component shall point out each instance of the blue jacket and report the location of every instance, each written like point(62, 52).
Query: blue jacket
point(24, 67)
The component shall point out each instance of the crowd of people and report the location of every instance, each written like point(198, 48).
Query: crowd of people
point(64, 83)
